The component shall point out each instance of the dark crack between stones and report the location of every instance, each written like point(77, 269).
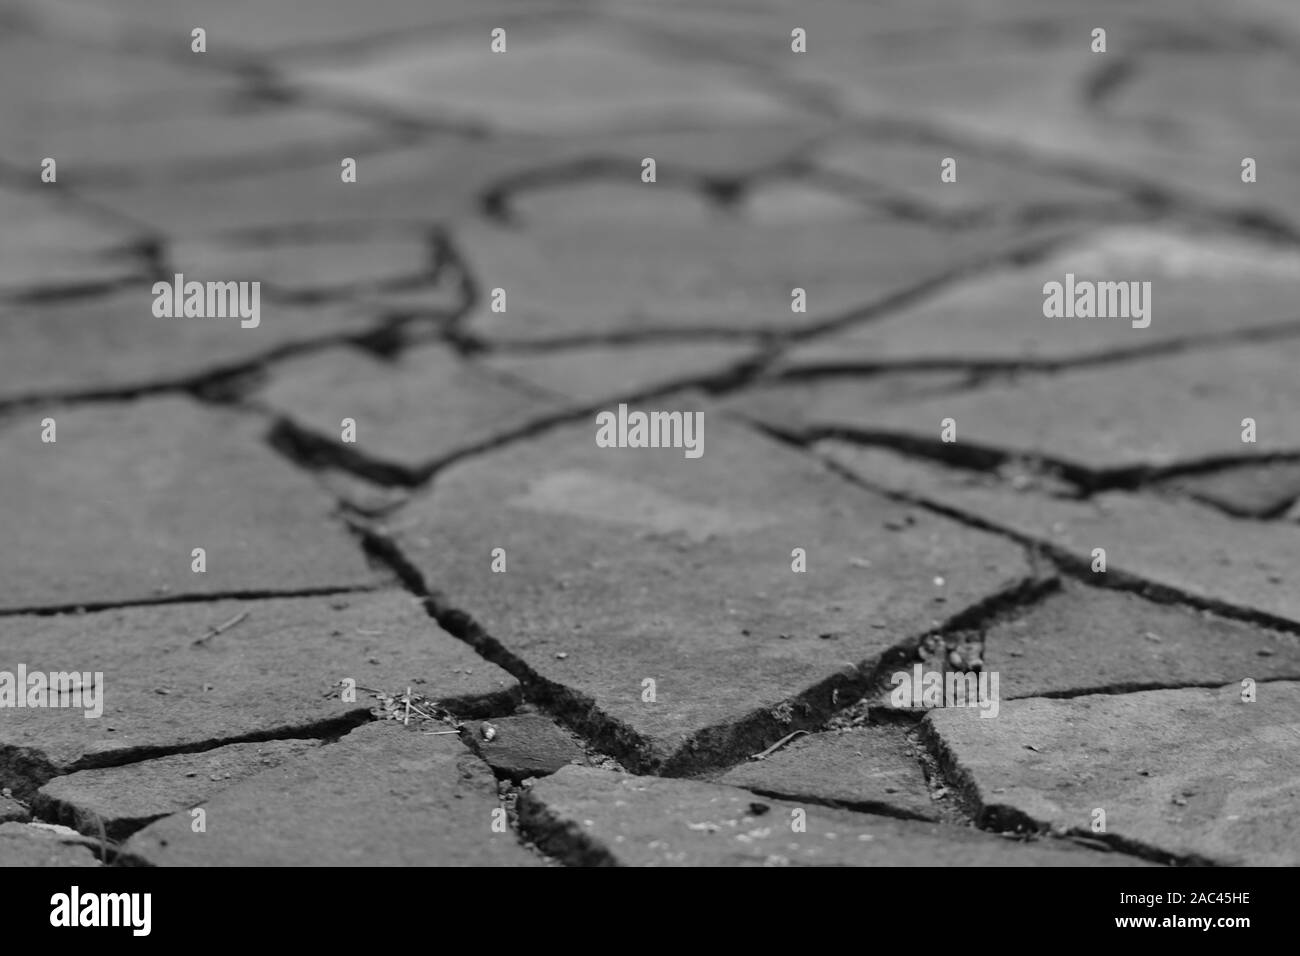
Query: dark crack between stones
point(49, 610)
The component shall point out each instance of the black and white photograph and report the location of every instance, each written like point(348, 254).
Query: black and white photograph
point(651, 433)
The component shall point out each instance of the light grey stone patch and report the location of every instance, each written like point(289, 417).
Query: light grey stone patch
point(124, 799)
point(193, 676)
point(596, 817)
point(543, 83)
point(1194, 773)
point(23, 844)
point(384, 795)
point(1201, 286)
point(114, 342)
point(1190, 550)
point(112, 511)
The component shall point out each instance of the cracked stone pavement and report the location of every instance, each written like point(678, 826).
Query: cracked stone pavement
point(472, 636)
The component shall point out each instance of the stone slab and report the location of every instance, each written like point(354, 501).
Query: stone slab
point(627, 565)
point(50, 244)
point(520, 747)
point(1170, 410)
point(113, 342)
point(11, 811)
point(22, 844)
point(983, 185)
point(279, 26)
point(384, 795)
point(1248, 491)
point(871, 769)
point(543, 83)
point(601, 273)
point(207, 138)
point(600, 373)
point(390, 401)
point(1195, 552)
point(595, 817)
point(275, 672)
point(112, 510)
point(310, 260)
point(127, 798)
point(1202, 285)
point(1197, 773)
point(1096, 640)
point(393, 186)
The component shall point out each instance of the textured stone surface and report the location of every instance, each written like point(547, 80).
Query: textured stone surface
point(269, 25)
point(114, 341)
point(22, 844)
point(871, 769)
point(984, 186)
point(599, 272)
point(971, 84)
point(274, 673)
point(627, 565)
point(795, 202)
point(112, 511)
point(1195, 551)
point(1192, 773)
point(808, 406)
point(46, 244)
point(1181, 408)
point(320, 261)
point(596, 817)
point(51, 88)
point(391, 403)
point(213, 139)
point(393, 186)
point(724, 152)
point(1253, 491)
point(649, 604)
point(384, 795)
point(11, 811)
point(544, 82)
point(1211, 112)
point(525, 746)
point(1096, 640)
point(124, 799)
point(997, 316)
point(599, 373)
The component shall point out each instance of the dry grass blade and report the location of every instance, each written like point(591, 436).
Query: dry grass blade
point(221, 628)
